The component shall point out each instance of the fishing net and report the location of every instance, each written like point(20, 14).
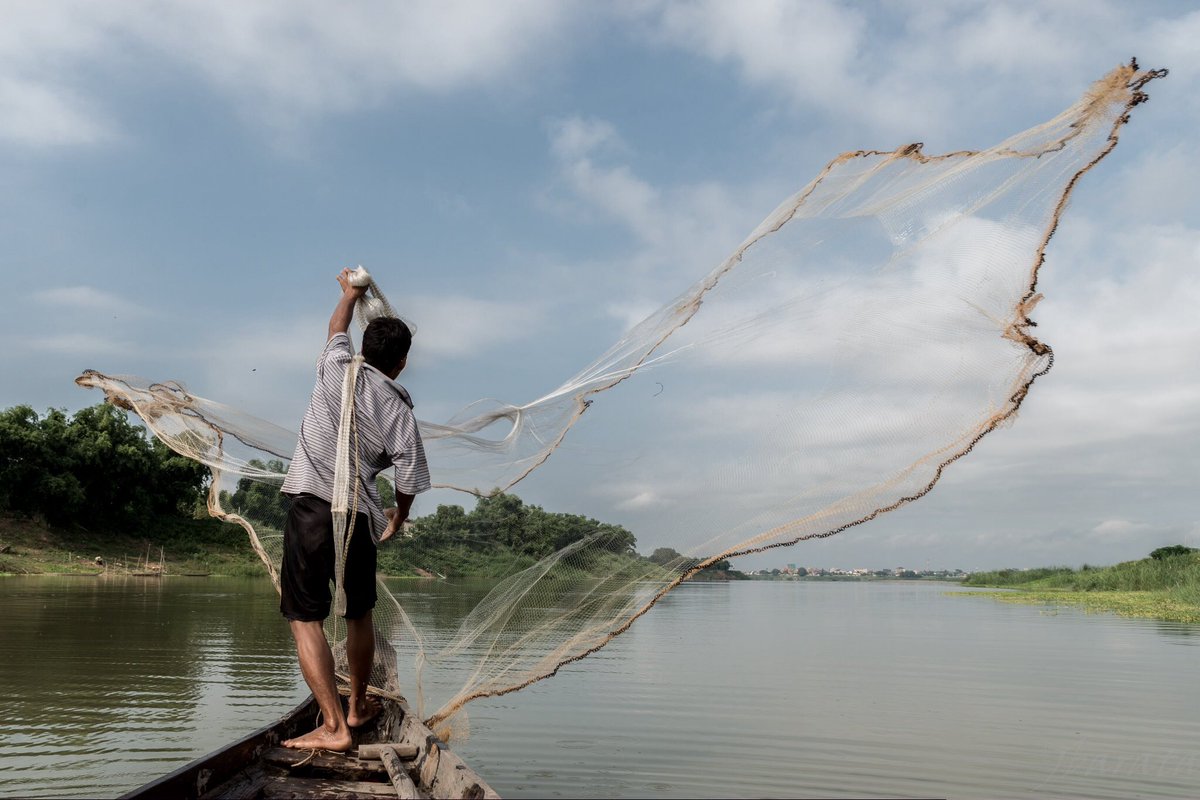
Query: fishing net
point(863, 338)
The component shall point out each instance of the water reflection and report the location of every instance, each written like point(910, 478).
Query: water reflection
point(107, 683)
point(869, 689)
point(762, 689)
point(1185, 631)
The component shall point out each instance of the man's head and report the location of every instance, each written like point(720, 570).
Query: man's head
point(385, 345)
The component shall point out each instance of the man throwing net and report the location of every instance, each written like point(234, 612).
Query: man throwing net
point(385, 434)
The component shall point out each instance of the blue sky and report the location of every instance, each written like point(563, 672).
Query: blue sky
point(183, 180)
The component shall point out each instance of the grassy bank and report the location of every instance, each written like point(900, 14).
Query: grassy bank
point(28, 547)
point(1159, 588)
point(206, 546)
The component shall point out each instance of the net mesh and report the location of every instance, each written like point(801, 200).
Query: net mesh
point(860, 340)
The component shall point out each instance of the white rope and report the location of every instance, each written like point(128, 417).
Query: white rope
point(343, 522)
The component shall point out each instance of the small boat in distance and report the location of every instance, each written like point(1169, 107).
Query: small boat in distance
point(396, 756)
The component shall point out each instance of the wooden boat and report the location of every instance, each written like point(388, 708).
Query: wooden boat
point(398, 756)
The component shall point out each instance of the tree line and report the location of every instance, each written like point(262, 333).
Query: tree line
point(506, 520)
point(93, 468)
point(97, 469)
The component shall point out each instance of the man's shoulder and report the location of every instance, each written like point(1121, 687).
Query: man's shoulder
point(386, 391)
point(337, 346)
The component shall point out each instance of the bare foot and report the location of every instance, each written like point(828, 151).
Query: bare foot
point(321, 738)
point(362, 712)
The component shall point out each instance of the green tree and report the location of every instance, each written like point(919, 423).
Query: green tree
point(96, 468)
point(27, 482)
point(665, 555)
point(502, 517)
point(505, 529)
point(261, 500)
point(387, 492)
point(1171, 551)
point(447, 524)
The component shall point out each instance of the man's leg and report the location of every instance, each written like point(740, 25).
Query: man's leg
point(360, 632)
point(316, 664)
point(360, 652)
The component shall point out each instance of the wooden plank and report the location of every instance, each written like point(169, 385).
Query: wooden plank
point(343, 766)
point(319, 788)
point(429, 765)
point(404, 786)
point(454, 778)
point(442, 773)
point(371, 751)
point(245, 785)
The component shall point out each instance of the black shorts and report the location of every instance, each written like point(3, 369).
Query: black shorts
point(305, 580)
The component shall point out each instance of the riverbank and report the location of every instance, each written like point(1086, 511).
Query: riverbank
point(185, 546)
point(1166, 588)
point(209, 547)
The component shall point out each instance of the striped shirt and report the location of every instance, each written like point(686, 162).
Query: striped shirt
point(387, 434)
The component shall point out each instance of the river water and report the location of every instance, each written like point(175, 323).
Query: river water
point(740, 689)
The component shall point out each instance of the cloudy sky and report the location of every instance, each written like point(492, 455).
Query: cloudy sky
point(181, 181)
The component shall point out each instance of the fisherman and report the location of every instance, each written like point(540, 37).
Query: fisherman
point(386, 435)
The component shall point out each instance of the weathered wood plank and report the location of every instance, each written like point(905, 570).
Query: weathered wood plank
point(371, 751)
point(305, 762)
point(245, 785)
point(319, 788)
point(442, 773)
point(429, 764)
point(405, 788)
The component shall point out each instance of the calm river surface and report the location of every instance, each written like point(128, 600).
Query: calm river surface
point(740, 689)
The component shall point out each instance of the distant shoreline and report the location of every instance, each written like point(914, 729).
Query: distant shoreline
point(857, 578)
point(1143, 605)
point(1164, 587)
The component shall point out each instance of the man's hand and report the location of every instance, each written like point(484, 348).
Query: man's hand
point(395, 522)
point(343, 312)
point(347, 288)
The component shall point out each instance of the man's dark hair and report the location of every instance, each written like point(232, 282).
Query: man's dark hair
point(385, 343)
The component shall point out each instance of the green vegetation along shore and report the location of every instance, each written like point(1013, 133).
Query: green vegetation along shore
point(92, 493)
point(1165, 585)
point(500, 536)
point(185, 546)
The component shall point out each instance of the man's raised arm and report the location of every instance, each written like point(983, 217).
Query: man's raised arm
point(343, 312)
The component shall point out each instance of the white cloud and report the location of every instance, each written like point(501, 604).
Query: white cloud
point(916, 69)
point(1174, 41)
point(640, 500)
point(79, 344)
point(456, 326)
point(809, 48)
point(281, 60)
point(632, 312)
point(87, 299)
point(279, 354)
point(1120, 529)
point(43, 116)
point(1012, 39)
point(679, 232)
point(575, 138)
